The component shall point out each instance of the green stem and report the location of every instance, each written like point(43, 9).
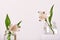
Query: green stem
point(9, 35)
point(50, 26)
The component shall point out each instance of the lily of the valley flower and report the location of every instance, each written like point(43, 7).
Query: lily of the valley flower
point(42, 15)
point(11, 29)
point(47, 19)
point(14, 28)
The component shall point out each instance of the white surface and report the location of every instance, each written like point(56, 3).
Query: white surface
point(26, 10)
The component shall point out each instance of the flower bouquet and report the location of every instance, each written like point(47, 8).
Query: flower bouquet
point(49, 27)
point(10, 29)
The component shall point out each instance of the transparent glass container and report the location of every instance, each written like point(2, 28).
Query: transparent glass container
point(47, 29)
point(8, 36)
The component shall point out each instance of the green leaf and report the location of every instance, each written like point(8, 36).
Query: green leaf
point(19, 23)
point(50, 18)
point(51, 14)
point(7, 22)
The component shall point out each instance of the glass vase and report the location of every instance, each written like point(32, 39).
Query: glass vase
point(48, 30)
point(8, 36)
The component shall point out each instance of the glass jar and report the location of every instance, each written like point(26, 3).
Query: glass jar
point(48, 30)
point(9, 36)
